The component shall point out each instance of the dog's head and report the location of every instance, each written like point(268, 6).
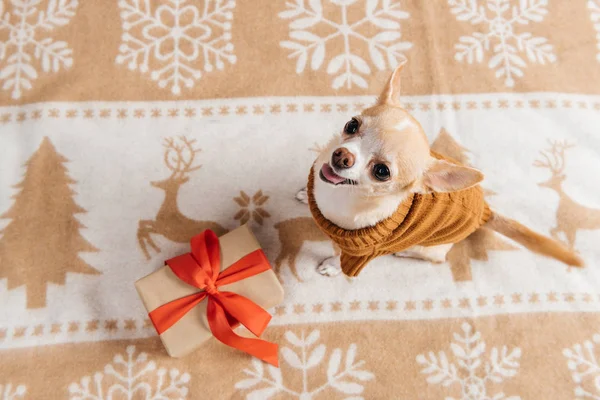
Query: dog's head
point(384, 150)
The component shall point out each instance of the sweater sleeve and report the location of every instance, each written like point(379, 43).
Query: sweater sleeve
point(352, 265)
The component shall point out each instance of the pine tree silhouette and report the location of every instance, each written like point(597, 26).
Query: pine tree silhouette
point(446, 145)
point(41, 243)
point(475, 247)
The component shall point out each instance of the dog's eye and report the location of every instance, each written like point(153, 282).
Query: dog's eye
point(381, 172)
point(351, 126)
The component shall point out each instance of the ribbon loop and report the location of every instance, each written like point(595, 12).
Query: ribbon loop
point(201, 269)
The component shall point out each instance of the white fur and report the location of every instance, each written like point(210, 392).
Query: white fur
point(360, 159)
point(435, 254)
point(405, 123)
point(339, 206)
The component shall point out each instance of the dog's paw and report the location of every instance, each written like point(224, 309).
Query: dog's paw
point(302, 196)
point(330, 266)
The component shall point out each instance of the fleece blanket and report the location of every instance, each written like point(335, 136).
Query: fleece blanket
point(128, 126)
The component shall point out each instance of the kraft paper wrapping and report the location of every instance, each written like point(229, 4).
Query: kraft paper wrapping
point(192, 330)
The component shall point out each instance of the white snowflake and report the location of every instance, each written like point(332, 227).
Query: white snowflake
point(131, 376)
point(469, 371)
point(171, 39)
point(594, 6)
point(27, 28)
point(7, 392)
point(303, 359)
point(506, 44)
point(584, 367)
point(346, 65)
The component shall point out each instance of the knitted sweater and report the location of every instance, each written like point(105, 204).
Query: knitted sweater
point(421, 219)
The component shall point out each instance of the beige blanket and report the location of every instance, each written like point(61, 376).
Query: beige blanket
point(127, 126)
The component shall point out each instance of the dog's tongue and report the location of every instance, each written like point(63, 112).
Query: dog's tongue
point(330, 175)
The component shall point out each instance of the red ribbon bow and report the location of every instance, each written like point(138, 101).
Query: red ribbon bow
point(225, 310)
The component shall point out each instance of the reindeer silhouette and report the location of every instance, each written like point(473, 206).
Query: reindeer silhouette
point(169, 221)
point(292, 235)
point(570, 215)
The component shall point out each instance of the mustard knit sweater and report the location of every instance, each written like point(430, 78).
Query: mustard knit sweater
point(422, 219)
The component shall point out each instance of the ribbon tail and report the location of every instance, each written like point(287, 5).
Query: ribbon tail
point(244, 311)
point(221, 329)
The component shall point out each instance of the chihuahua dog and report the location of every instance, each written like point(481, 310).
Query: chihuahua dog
point(381, 157)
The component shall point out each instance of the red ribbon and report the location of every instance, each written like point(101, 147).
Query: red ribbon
point(225, 310)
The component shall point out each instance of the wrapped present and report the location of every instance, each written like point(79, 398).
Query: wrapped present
point(222, 283)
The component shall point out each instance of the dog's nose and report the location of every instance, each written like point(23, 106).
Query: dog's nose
point(342, 158)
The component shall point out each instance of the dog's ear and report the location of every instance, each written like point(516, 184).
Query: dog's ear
point(391, 92)
point(442, 176)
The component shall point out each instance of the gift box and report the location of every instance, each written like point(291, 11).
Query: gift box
point(222, 283)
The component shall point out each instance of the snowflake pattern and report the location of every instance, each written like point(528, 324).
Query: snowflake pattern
point(131, 377)
point(251, 207)
point(347, 67)
point(28, 26)
point(506, 44)
point(594, 6)
point(585, 369)
point(467, 372)
point(7, 392)
point(169, 40)
point(343, 379)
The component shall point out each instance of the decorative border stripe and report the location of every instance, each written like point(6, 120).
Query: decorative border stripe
point(274, 106)
point(58, 332)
